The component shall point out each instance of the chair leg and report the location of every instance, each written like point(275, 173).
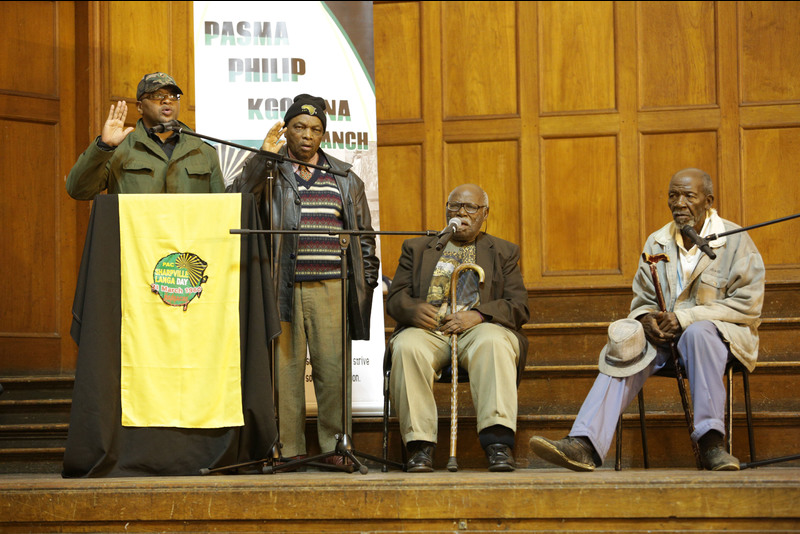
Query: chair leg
point(385, 467)
point(749, 412)
point(729, 411)
point(645, 454)
point(618, 459)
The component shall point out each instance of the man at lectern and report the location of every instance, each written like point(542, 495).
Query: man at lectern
point(706, 306)
point(308, 268)
point(139, 160)
point(486, 323)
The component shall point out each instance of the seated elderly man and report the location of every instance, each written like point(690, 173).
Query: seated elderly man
point(712, 312)
point(487, 323)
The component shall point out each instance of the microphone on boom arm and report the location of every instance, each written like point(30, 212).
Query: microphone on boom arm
point(165, 127)
point(447, 233)
point(701, 243)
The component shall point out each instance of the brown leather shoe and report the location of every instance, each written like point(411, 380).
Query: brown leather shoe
point(421, 460)
point(713, 454)
point(573, 453)
point(500, 457)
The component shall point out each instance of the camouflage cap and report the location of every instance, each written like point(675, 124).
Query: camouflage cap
point(153, 82)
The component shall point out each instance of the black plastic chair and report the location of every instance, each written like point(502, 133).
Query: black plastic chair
point(733, 367)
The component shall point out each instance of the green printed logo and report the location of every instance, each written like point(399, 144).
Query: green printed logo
point(177, 278)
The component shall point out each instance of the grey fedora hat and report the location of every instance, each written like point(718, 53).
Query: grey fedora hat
point(627, 351)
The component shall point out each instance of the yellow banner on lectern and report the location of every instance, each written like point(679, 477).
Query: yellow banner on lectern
point(180, 310)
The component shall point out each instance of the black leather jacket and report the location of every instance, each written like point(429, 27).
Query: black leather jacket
point(362, 262)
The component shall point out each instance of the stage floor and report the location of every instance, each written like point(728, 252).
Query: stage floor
point(528, 500)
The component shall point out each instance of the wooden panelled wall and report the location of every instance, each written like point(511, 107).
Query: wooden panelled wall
point(572, 115)
point(39, 223)
point(63, 65)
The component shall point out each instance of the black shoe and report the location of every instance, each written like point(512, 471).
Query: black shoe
point(713, 454)
point(500, 457)
point(421, 460)
point(573, 453)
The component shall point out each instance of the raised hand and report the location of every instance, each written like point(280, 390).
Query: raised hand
point(273, 142)
point(114, 130)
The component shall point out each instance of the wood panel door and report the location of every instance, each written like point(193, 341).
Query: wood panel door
point(38, 95)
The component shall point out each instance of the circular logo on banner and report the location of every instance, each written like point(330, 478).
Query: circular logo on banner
point(177, 278)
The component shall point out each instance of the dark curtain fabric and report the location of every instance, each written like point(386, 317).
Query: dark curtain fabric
point(97, 443)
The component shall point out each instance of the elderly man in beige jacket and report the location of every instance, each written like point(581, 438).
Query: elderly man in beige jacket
point(713, 310)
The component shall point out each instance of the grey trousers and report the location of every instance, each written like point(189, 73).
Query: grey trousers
point(489, 353)
point(704, 354)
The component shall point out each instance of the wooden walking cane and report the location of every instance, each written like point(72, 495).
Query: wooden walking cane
point(452, 464)
point(687, 409)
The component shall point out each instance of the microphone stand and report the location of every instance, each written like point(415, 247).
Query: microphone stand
point(344, 447)
point(274, 156)
point(276, 448)
point(276, 159)
point(712, 237)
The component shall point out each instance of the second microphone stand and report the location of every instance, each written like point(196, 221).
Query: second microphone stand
point(276, 158)
point(344, 446)
point(175, 126)
point(705, 241)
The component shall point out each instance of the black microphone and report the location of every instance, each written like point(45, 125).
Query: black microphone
point(447, 233)
point(701, 243)
point(165, 126)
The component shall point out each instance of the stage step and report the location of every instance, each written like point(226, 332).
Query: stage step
point(527, 500)
point(33, 431)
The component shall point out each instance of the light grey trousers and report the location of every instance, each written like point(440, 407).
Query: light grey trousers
point(704, 355)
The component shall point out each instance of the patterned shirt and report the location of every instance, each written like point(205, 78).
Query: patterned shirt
point(467, 294)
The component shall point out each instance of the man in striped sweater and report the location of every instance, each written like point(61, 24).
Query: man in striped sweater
point(307, 267)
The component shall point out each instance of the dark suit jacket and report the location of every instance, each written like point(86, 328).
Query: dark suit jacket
point(504, 299)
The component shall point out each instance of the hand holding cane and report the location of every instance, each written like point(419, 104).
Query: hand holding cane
point(687, 410)
point(452, 464)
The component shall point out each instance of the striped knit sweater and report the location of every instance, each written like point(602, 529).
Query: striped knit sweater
point(319, 255)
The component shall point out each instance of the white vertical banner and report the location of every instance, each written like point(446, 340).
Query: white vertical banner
point(251, 60)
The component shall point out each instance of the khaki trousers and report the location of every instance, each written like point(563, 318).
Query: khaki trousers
point(316, 330)
point(489, 353)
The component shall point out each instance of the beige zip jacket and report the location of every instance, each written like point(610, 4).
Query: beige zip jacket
point(729, 290)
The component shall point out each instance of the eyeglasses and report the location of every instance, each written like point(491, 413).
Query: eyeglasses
point(469, 207)
point(162, 96)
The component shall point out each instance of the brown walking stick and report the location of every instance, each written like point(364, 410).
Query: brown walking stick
point(452, 464)
point(687, 409)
